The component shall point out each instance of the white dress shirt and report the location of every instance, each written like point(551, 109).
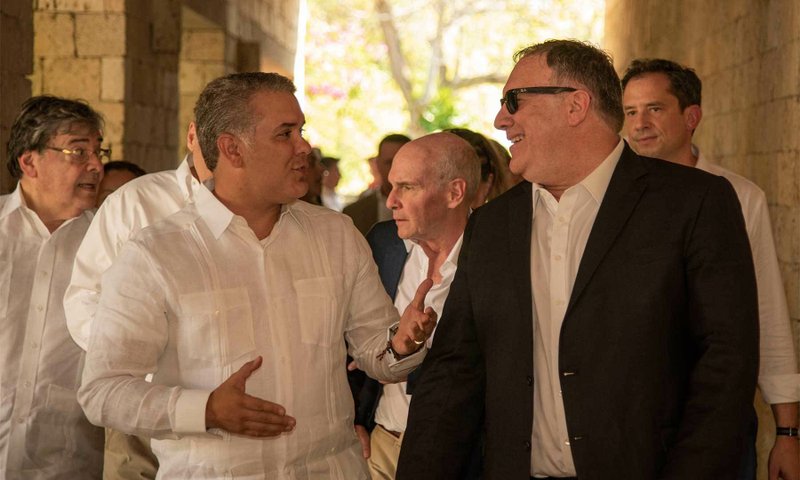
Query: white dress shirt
point(392, 411)
point(43, 432)
point(135, 205)
point(777, 378)
point(194, 297)
point(559, 232)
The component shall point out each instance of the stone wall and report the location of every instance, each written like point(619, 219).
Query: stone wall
point(748, 55)
point(141, 63)
point(16, 63)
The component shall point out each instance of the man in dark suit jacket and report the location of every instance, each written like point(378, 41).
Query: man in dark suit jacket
point(371, 208)
point(603, 321)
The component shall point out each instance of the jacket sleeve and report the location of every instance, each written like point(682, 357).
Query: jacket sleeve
point(722, 321)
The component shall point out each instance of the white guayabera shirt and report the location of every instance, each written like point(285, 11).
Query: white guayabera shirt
point(194, 297)
point(43, 432)
point(134, 206)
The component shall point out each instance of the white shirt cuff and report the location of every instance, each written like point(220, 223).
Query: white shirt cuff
point(780, 388)
point(190, 411)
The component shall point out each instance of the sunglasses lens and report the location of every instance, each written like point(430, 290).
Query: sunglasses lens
point(511, 102)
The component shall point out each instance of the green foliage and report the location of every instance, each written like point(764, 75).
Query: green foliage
point(353, 99)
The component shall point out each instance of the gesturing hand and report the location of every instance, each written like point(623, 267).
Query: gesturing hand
point(416, 325)
point(230, 409)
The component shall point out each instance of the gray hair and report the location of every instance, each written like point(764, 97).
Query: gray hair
point(223, 107)
point(588, 65)
point(453, 157)
point(43, 117)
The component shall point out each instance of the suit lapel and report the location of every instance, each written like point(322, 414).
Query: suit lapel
point(519, 242)
point(624, 190)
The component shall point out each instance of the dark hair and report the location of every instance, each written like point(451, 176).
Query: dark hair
point(223, 106)
point(393, 138)
point(683, 81)
point(40, 119)
point(486, 154)
point(329, 162)
point(493, 160)
point(125, 166)
point(582, 62)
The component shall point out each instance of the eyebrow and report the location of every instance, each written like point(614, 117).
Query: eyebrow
point(288, 125)
point(83, 140)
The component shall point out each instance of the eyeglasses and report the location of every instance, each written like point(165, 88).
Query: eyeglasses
point(510, 98)
point(80, 156)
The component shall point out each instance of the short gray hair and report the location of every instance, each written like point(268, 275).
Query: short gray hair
point(455, 158)
point(43, 117)
point(224, 107)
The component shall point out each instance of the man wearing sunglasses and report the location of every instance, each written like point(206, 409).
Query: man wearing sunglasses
point(55, 153)
point(603, 321)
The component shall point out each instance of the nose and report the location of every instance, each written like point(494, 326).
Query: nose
point(640, 121)
point(303, 147)
point(503, 119)
point(94, 164)
point(391, 200)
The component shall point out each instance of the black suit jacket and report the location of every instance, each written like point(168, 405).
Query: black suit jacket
point(658, 348)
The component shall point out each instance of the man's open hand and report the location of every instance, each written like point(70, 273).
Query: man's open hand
point(232, 410)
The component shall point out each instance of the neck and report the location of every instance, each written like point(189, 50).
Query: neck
point(685, 157)
point(587, 154)
point(438, 249)
point(260, 219)
point(52, 216)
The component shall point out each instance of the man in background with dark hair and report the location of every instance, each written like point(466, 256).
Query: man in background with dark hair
point(115, 175)
point(371, 208)
point(661, 100)
point(603, 321)
point(240, 304)
point(55, 153)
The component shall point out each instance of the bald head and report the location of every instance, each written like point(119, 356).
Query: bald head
point(449, 157)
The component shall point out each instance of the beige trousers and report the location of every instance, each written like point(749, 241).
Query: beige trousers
point(384, 453)
point(128, 457)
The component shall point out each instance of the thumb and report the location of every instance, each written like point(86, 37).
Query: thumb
point(245, 371)
point(419, 298)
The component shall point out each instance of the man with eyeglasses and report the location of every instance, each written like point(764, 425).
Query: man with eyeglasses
point(55, 152)
point(661, 100)
point(603, 321)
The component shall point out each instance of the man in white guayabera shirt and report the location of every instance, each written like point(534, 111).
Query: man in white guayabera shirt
point(136, 205)
point(54, 151)
point(240, 304)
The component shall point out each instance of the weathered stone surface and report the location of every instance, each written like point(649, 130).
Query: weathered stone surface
point(100, 34)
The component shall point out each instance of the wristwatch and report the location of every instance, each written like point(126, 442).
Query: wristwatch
point(786, 432)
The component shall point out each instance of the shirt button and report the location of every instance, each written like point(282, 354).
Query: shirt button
point(527, 444)
point(43, 273)
point(558, 257)
point(34, 345)
point(566, 442)
point(39, 308)
point(28, 383)
point(20, 420)
point(530, 380)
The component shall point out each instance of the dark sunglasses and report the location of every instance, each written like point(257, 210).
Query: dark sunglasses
point(510, 98)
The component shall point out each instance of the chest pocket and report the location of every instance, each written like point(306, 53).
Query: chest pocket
point(216, 327)
point(317, 310)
